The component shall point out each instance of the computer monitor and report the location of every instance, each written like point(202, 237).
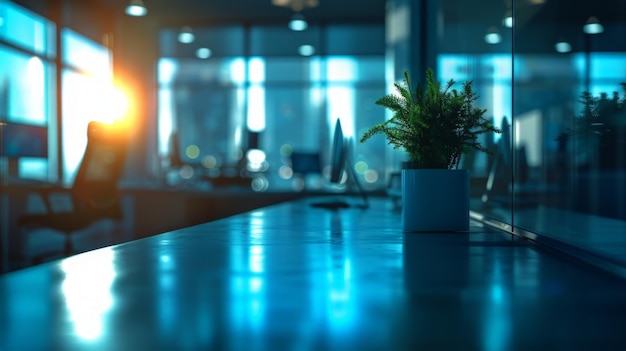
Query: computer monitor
point(305, 162)
point(340, 159)
point(337, 154)
point(23, 140)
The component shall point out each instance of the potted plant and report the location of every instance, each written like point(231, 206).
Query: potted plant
point(435, 125)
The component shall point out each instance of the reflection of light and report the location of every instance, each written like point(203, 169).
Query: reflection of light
point(497, 329)
point(340, 294)
point(247, 280)
point(256, 284)
point(87, 290)
point(256, 259)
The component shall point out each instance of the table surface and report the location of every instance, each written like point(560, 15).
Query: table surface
point(293, 277)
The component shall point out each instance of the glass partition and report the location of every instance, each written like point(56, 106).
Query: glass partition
point(569, 122)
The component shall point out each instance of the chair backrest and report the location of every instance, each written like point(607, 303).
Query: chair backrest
point(174, 156)
point(96, 182)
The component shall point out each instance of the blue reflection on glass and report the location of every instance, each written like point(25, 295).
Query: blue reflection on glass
point(87, 290)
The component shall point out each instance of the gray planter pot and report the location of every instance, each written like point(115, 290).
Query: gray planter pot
point(435, 200)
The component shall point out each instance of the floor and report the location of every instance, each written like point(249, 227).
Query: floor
point(295, 277)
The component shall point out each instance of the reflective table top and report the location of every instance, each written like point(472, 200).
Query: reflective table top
point(295, 277)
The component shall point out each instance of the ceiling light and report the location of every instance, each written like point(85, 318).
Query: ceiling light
point(298, 23)
point(186, 35)
point(306, 50)
point(563, 47)
point(203, 53)
point(507, 20)
point(296, 5)
point(493, 36)
point(593, 26)
point(136, 8)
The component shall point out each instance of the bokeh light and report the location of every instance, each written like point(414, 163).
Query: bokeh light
point(192, 151)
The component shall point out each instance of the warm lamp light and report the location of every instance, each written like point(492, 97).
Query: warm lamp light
point(296, 5)
point(136, 8)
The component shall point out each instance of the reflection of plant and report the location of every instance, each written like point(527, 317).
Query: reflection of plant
point(601, 115)
point(602, 123)
point(435, 125)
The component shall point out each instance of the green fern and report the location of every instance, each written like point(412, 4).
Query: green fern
point(435, 125)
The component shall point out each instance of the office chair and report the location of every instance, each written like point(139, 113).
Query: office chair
point(94, 192)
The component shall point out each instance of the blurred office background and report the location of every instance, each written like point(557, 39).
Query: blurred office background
point(240, 91)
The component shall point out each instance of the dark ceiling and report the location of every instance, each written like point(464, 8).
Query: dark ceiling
point(194, 12)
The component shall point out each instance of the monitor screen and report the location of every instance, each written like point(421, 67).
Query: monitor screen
point(338, 154)
point(305, 162)
point(23, 140)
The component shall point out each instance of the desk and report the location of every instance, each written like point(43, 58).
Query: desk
point(292, 277)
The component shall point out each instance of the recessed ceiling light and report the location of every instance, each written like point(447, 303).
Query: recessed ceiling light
point(203, 53)
point(593, 26)
point(563, 47)
point(298, 23)
point(306, 50)
point(136, 8)
point(507, 20)
point(186, 35)
point(493, 36)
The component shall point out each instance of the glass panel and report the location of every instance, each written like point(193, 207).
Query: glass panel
point(86, 97)
point(350, 39)
point(202, 101)
point(86, 55)
point(465, 55)
point(289, 103)
point(570, 160)
point(26, 29)
point(226, 41)
point(281, 41)
point(23, 83)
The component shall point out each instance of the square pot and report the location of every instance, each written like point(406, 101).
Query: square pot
point(435, 200)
